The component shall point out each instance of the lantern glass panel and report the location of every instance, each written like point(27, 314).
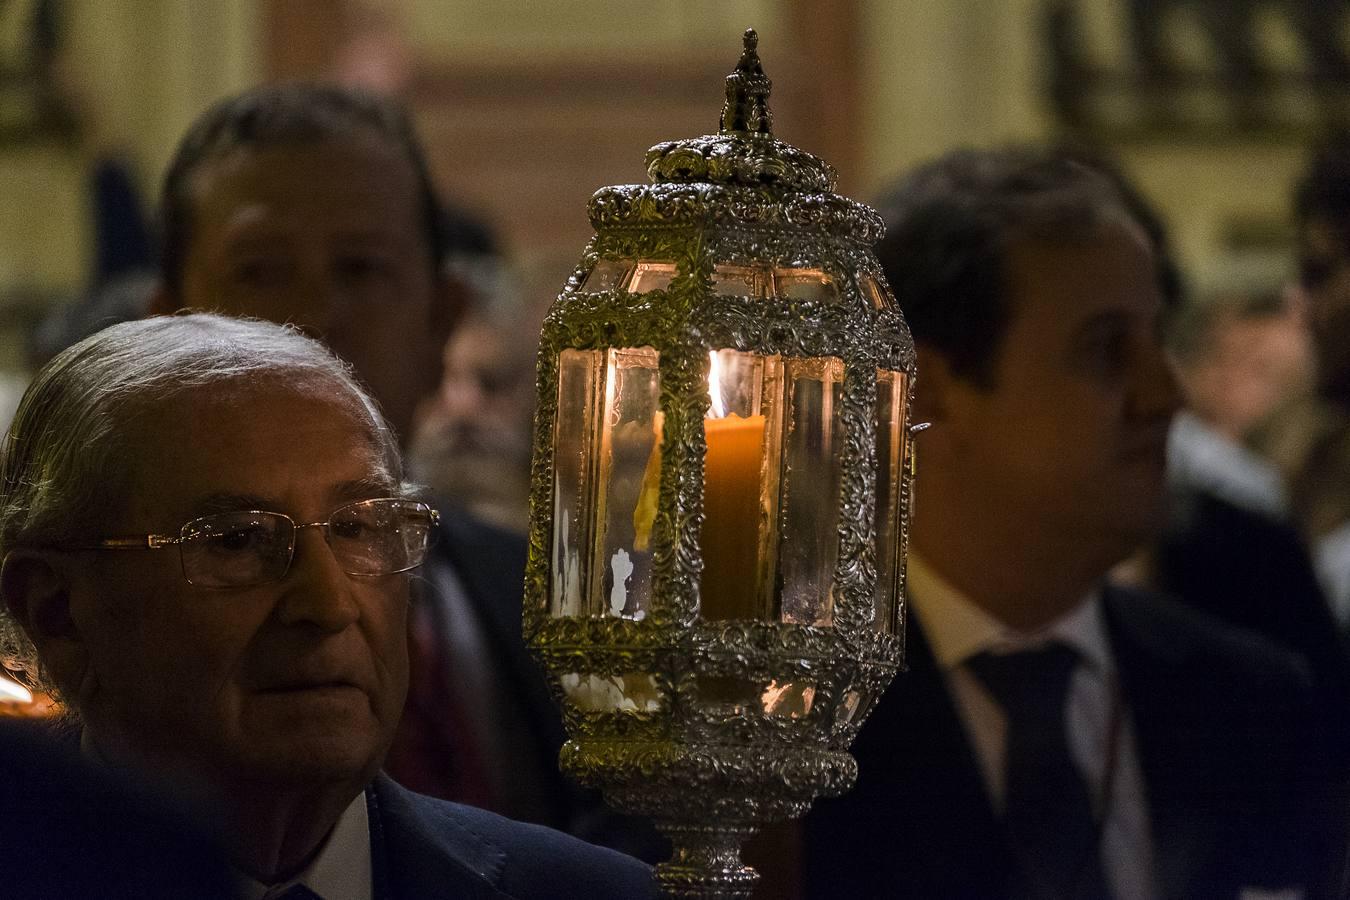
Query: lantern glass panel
point(891, 437)
point(789, 698)
point(608, 275)
point(811, 473)
point(741, 281)
point(740, 484)
point(580, 383)
point(879, 297)
point(727, 695)
point(629, 474)
point(847, 711)
point(651, 276)
point(805, 284)
point(607, 472)
point(632, 692)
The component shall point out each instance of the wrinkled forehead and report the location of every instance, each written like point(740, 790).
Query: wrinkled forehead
point(247, 423)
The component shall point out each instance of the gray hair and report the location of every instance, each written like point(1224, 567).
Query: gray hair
point(67, 446)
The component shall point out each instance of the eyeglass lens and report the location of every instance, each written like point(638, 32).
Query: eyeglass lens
point(371, 537)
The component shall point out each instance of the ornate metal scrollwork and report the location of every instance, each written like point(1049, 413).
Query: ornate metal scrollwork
point(714, 728)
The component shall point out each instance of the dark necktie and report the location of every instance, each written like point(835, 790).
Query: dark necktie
point(297, 892)
point(1048, 816)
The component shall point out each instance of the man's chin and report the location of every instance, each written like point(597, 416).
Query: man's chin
point(316, 744)
point(312, 760)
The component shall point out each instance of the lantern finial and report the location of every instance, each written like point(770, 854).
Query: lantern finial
point(747, 106)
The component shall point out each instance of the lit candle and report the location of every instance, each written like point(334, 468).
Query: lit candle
point(731, 510)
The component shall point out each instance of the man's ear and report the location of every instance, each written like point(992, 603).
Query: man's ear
point(35, 588)
point(161, 303)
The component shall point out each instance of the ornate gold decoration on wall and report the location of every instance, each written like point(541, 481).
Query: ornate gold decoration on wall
point(32, 105)
point(1242, 68)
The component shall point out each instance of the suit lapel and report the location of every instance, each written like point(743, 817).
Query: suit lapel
point(413, 856)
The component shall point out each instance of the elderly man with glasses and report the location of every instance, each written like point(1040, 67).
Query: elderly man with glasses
point(208, 545)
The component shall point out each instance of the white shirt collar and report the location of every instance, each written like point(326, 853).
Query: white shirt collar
point(341, 870)
point(957, 629)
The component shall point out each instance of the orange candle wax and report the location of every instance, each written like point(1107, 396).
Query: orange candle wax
point(731, 510)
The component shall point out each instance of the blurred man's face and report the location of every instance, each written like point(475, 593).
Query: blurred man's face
point(1070, 439)
point(297, 681)
point(327, 235)
point(1325, 260)
point(1251, 365)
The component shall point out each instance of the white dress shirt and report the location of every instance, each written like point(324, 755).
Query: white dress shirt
point(340, 871)
point(1100, 732)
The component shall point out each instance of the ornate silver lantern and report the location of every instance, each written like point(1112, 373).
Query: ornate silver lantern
point(720, 490)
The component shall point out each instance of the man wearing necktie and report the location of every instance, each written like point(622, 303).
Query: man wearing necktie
point(1056, 736)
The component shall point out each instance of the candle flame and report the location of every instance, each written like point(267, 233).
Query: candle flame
point(13, 692)
point(719, 409)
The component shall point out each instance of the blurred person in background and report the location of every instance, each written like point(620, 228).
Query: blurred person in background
point(122, 269)
point(1057, 735)
point(1308, 438)
point(313, 205)
point(1225, 546)
point(474, 442)
point(1229, 547)
point(1239, 354)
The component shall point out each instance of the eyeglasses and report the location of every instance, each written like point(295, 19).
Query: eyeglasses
point(244, 549)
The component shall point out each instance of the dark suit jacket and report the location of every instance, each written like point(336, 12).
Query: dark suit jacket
point(424, 848)
point(70, 829)
point(1254, 571)
point(1227, 749)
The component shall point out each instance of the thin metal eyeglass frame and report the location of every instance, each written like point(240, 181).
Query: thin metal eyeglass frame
point(162, 541)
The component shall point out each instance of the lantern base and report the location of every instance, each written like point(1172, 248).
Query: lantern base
point(706, 863)
point(708, 799)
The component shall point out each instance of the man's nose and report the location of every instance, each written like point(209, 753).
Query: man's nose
point(317, 590)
